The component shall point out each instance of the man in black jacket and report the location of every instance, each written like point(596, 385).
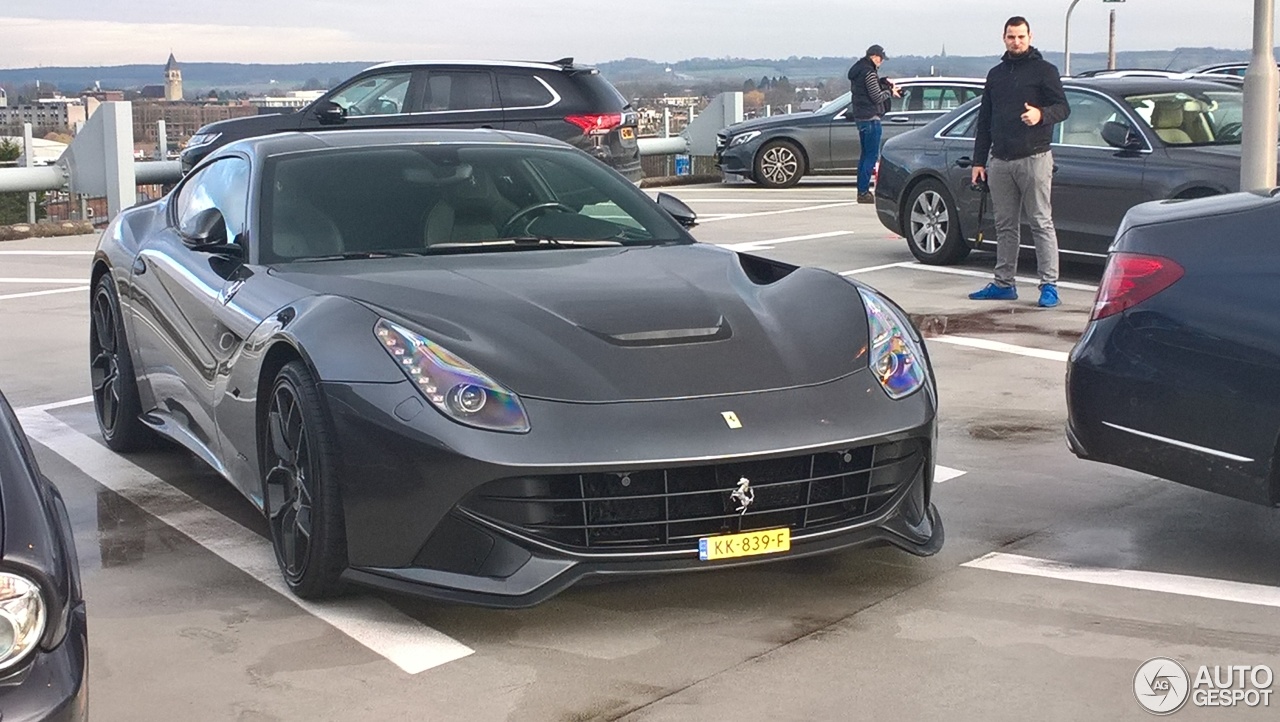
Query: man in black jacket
point(1022, 101)
point(871, 95)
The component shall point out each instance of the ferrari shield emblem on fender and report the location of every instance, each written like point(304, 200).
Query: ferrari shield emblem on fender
point(731, 419)
point(744, 495)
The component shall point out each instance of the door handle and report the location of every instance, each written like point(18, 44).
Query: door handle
point(898, 119)
point(139, 266)
point(964, 162)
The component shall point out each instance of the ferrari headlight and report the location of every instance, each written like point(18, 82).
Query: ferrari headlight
point(456, 388)
point(741, 138)
point(22, 619)
point(896, 358)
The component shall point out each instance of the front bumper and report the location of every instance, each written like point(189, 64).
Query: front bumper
point(414, 523)
point(53, 685)
point(738, 159)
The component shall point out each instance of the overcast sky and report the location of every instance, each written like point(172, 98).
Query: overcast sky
point(116, 32)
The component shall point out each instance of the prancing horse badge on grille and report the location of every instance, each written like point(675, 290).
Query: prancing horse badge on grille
point(731, 419)
point(744, 495)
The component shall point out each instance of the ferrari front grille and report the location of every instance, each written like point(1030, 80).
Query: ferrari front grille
point(655, 509)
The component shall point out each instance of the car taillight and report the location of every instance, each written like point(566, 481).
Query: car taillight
point(596, 124)
point(1132, 278)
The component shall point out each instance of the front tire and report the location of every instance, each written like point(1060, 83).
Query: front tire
point(932, 225)
point(116, 403)
point(300, 490)
point(779, 164)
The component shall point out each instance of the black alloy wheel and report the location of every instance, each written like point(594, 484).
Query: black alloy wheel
point(932, 225)
point(299, 489)
point(779, 164)
point(115, 388)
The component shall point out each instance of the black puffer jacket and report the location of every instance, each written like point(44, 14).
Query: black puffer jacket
point(1011, 85)
point(869, 93)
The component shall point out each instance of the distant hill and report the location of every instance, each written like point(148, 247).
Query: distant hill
point(199, 78)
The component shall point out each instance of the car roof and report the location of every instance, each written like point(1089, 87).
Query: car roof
point(564, 64)
point(939, 79)
point(295, 141)
point(1128, 85)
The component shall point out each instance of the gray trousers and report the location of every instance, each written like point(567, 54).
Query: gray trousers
point(1020, 192)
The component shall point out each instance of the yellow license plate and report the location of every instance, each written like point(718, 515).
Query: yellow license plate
point(628, 133)
point(728, 546)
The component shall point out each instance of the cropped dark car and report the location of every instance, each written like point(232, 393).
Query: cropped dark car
point(43, 638)
point(1178, 372)
point(779, 150)
point(478, 366)
point(573, 103)
point(1127, 141)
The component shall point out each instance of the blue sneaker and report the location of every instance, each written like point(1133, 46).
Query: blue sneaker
point(992, 292)
point(1048, 296)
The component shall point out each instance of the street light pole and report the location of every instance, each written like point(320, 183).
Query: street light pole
point(1066, 40)
point(1111, 42)
point(1261, 80)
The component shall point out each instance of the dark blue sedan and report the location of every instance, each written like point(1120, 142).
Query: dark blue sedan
point(1178, 372)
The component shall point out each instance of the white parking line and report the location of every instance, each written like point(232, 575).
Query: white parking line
point(732, 216)
point(869, 269)
point(987, 345)
point(759, 200)
point(945, 473)
point(406, 642)
point(29, 294)
point(768, 244)
point(1188, 586)
point(46, 253)
point(15, 279)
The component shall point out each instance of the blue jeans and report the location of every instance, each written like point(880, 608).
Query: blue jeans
point(869, 137)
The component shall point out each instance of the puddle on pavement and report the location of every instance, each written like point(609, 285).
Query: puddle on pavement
point(1001, 320)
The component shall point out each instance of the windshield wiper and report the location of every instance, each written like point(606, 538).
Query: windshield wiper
point(562, 242)
point(355, 255)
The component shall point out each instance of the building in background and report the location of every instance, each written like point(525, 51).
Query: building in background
point(4, 99)
point(48, 115)
point(292, 100)
point(172, 80)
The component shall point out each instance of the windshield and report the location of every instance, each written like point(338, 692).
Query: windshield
point(455, 198)
point(834, 106)
point(1211, 117)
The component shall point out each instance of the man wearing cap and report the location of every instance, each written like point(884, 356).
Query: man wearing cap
point(871, 95)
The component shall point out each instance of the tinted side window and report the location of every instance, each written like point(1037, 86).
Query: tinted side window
point(375, 95)
point(963, 129)
point(458, 90)
point(523, 91)
point(224, 185)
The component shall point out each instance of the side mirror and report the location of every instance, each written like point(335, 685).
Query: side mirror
point(205, 230)
point(1120, 135)
point(330, 113)
point(677, 209)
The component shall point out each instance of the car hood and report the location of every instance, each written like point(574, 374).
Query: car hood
point(773, 121)
point(253, 125)
point(612, 324)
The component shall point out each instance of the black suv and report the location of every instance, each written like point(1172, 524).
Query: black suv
point(573, 103)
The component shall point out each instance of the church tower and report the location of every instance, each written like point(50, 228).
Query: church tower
point(172, 80)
